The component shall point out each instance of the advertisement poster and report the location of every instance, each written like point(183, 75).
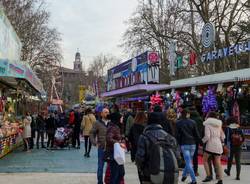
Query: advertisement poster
point(142, 69)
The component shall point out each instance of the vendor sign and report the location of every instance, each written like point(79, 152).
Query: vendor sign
point(232, 50)
point(141, 69)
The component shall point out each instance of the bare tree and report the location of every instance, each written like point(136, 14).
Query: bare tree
point(156, 22)
point(40, 43)
point(102, 63)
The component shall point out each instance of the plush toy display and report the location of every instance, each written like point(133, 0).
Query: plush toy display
point(209, 102)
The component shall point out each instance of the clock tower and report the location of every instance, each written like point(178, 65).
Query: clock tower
point(78, 62)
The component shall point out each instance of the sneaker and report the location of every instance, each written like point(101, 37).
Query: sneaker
point(183, 178)
point(207, 179)
point(227, 172)
point(237, 178)
point(220, 182)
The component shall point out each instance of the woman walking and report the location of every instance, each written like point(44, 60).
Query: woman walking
point(27, 131)
point(213, 138)
point(87, 124)
point(234, 140)
point(134, 134)
point(114, 136)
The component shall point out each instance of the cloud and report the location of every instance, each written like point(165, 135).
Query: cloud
point(94, 26)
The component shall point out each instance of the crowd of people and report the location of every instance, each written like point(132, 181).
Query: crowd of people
point(160, 143)
point(154, 138)
point(39, 126)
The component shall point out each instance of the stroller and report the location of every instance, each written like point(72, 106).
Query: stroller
point(63, 137)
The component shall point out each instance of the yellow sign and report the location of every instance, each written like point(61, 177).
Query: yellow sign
point(82, 91)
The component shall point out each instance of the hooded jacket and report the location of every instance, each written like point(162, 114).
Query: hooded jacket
point(214, 135)
point(152, 130)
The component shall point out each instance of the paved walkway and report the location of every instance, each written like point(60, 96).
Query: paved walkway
point(70, 167)
point(53, 161)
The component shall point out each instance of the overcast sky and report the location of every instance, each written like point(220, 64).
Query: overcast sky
point(93, 26)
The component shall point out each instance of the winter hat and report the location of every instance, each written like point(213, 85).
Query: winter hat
point(154, 118)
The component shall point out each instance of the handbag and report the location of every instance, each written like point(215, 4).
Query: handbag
point(119, 154)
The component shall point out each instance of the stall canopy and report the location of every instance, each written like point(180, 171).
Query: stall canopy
point(237, 75)
point(12, 70)
point(136, 89)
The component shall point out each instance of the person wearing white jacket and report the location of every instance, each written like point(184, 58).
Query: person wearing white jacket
point(213, 138)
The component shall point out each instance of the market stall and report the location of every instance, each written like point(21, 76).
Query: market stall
point(227, 93)
point(19, 88)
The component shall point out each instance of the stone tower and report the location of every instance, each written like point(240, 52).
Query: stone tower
point(78, 62)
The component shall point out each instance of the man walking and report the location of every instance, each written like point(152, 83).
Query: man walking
point(98, 138)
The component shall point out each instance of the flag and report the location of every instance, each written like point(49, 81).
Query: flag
point(179, 61)
point(192, 58)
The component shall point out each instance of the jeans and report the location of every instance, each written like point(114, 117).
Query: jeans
point(188, 153)
point(117, 172)
point(100, 165)
point(195, 159)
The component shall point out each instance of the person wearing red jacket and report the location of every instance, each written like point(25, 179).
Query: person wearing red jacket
point(71, 117)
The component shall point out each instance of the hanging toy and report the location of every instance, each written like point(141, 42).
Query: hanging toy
point(209, 102)
point(156, 100)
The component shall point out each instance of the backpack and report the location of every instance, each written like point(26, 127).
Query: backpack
point(236, 137)
point(162, 159)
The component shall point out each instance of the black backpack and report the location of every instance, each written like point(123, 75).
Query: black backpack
point(161, 159)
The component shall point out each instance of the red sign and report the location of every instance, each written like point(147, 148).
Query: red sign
point(153, 57)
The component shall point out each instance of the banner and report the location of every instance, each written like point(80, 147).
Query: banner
point(82, 91)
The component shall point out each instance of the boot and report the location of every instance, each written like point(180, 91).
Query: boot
point(207, 179)
point(226, 171)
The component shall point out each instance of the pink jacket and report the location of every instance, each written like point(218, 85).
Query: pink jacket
point(214, 135)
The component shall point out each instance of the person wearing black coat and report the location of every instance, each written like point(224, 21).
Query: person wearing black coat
point(41, 126)
point(77, 130)
point(50, 129)
point(187, 136)
point(153, 130)
point(195, 116)
point(135, 132)
point(235, 150)
point(33, 132)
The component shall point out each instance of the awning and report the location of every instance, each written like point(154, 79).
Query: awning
point(11, 72)
point(139, 88)
point(237, 75)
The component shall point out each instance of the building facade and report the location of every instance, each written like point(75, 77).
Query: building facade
point(73, 80)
